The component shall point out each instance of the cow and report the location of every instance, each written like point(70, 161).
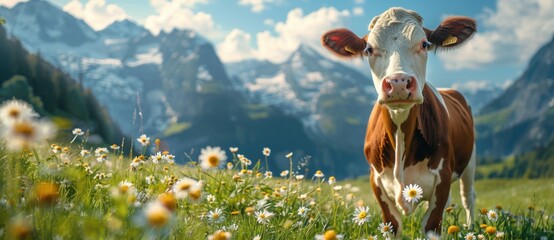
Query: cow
point(416, 134)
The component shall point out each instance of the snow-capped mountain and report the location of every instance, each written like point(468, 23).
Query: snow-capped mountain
point(326, 95)
point(130, 71)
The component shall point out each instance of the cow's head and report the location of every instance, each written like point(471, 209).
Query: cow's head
point(397, 47)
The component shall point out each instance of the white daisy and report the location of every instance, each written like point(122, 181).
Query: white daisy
point(212, 158)
point(150, 179)
point(156, 158)
point(220, 235)
point(412, 193)
point(210, 198)
point(302, 211)
point(157, 215)
point(115, 147)
point(289, 155)
point(332, 180)
point(12, 111)
point(470, 236)
point(126, 187)
point(492, 215)
point(319, 174)
point(85, 153)
point(263, 216)
point(143, 140)
point(102, 158)
point(216, 215)
point(234, 149)
point(26, 133)
point(386, 228)
point(78, 132)
point(329, 235)
point(99, 151)
point(361, 215)
point(284, 173)
point(181, 188)
point(266, 152)
point(168, 158)
point(268, 174)
point(299, 177)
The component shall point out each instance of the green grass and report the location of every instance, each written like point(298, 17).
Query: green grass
point(46, 194)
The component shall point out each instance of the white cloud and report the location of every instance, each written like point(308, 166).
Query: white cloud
point(359, 1)
point(509, 35)
point(178, 14)
point(10, 3)
point(358, 11)
point(269, 22)
point(255, 5)
point(235, 47)
point(95, 13)
point(297, 28)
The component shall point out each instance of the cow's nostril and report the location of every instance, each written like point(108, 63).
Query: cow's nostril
point(387, 87)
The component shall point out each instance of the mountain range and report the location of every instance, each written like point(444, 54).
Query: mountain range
point(173, 86)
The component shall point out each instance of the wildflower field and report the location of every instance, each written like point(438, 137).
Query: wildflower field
point(70, 190)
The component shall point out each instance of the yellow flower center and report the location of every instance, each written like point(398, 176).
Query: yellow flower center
point(215, 215)
point(362, 215)
point(195, 195)
point(262, 216)
point(158, 218)
point(221, 235)
point(184, 186)
point(14, 113)
point(47, 193)
point(213, 160)
point(330, 235)
point(25, 129)
point(168, 201)
point(386, 228)
point(412, 193)
point(124, 188)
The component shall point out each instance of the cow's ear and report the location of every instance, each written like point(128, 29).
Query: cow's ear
point(452, 32)
point(344, 43)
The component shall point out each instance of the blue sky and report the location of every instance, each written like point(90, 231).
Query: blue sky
point(509, 32)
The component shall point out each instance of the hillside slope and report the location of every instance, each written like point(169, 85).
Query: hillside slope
point(51, 92)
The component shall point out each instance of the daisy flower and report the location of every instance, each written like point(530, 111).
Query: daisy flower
point(102, 158)
point(233, 149)
point(211, 158)
point(168, 158)
point(361, 215)
point(216, 215)
point(210, 198)
point(299, 177)
point(230, 165)
point(329, 235)
point(492, 215)
point(12, 111)
point(332, 180)
point(85, 153)
point(78, 132)
point(143, 140)
point(266, 152)
point(156, 158)
point(268, 174)
point(115, 147)
point(302, 211)
point(289, 155)
point(232, 227)
point(157, 215)
point(125, 187)
point(432, 236)
point(220, 235)
point(319, 174)
point(181, 188)
point(470, 236)
point(257, 237)
point(386, 228)
point(412, 193)
point(99, 151)
point(263, 216)
point(284, 173)
point(26, 133)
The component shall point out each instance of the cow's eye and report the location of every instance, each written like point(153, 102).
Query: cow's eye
point(425, 44)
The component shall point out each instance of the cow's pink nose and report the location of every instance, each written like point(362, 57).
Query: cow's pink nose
point(399, 87)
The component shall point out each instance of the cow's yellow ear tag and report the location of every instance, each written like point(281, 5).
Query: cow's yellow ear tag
point(350, 50)
point(449, 40)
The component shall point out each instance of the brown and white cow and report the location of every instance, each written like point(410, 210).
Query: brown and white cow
point(416, 134)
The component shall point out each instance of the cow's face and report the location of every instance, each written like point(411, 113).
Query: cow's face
point(397, 47)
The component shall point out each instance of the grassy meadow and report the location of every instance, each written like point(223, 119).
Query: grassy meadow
point(70, 190)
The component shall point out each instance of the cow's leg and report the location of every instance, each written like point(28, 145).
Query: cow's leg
point(467, 190)
point(433, 217)
point(388, 207)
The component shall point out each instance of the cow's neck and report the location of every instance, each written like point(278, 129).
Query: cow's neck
point(400, 132)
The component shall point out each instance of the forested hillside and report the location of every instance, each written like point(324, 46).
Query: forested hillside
point(51, 92)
